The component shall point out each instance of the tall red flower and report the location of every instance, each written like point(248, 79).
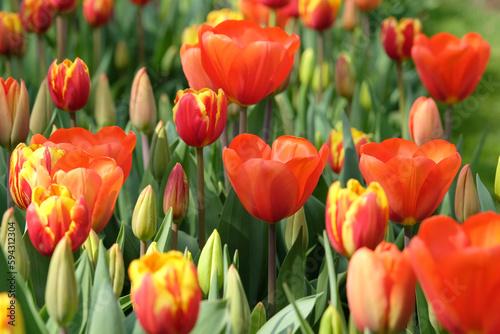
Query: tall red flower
point(457, 267)
point(273, 183)
point(246, 61)
point(415, 179)
point(450, 68)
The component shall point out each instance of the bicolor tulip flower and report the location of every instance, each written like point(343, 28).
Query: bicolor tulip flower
point(165, 292)
point(452, 263)
point(381, 289)
point(36, 16)
point(11, 315)
point(356, 217)
point(69, 84)
point(14, 112)
point(415, 179)
point(97, 12)
point(424, 121)
point(336, 146)
point(11, 34)
point(287, 174)
point(31, 166)
point(450, 68)
point(397, 37)
point(246, 61)
point(319, 14)
point(200, 116)
point(53, 213)
point(367, 5)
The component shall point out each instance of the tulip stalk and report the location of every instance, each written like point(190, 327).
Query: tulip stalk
point(61, 27)
point(97, 46)
point(201, 198)
point(145, 150)
point(175, 230)
point(408, 235)
point(448, 122)
point(243, 119)
point(320, 64)
point(9, 196)
point(271, 270)
point(41, 56)
point(266, 129)
point(140, 35)
point(8, 67)
point(401, 88)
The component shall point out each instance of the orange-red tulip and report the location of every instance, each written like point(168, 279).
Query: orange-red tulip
point(193, 69)
point(11, 34)
point(424, 122)
point(165, 292)
point(290, 10)
point(97, 12)
point(350, 15)
point(53, 213)
point(336, 146)
point(319, 14)
point(397, 37)
point(200, 116)
point(36, 16)
point(69, 84)
point(367, 5)
point(450, 68)
point(415, 179)
point(381, 289)
point(256, 12)
point(457, 267)
point(14, 113)
point(246, 61)
point(273, 184)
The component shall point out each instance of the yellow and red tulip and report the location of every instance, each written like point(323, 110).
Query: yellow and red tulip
point(69, 84)
point(336, 146)
point(397, 37)
point(165, 292)
point(97, 12)
point(356, 217)
point(11, 34)
point(217, 16)
point(200, 116)
point(14, 113)
point(54, 213)
point(11, 315)
point(319, 14)
point(36, 16)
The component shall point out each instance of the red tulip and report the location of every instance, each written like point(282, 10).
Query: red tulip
point(193, 69)
point(319, 14)
point(63, 6)
point(140, 3)
point(457, 267)
point(450, 68)
point(11, 34)
point(290, 10)
point(246, 61)
point(273, 184)
point(424, 122)
point(367, 5)
point(97, 12)
point(274, 3)
point(397, 37)
point(36, 16)
point(415, 179)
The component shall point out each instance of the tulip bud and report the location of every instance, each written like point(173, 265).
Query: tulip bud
point(116, 266)
point(239, 311)
point(36, 16)
point(294, 224)
point(306, 66)
point(331, 322)
point(336, 146)
point(325, 79)
point(258, 317)
point(210, 261)
point(142, 103)
point(365, 98)
point(350, 15)
point(153, 248)
point(144, 216)
point(159, 152)
point(121, 55)
point(497, 181)
point(14, 112)
point(105, 112)
point(11, 315)
point(42, 109)
point(344, 76)
point(11, 237)
point(91, 245)
point(466, 198)
point(424, 122)
point(397, 37)
point(176, 194)
point(61, 293)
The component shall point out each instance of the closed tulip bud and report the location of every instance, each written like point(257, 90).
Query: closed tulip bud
point(336, 146)
point(36, 16)
point(466, 198)
point(105, 112)
point(344, 76)
point(160, 153)
point(306, 67)
point(365, 98)
point(14, 112)
point(42, 109)
point(11, 237)
point(356, 217)
point(210, 261)
point(318, 14)
point(144, 216)
point(258, 317)
point(350, 15)
point(61, 293)
point(176, 194)
point(200, 116)
point(153, 248)
point(116, 266)
point(142, 103)
point(326, 76)
point(91, 245)
point(294, 224)
point(121, 55)
point(239, 311)
point(331, 322)
point(397, 37)
point(11, 315)
point(69, 84)
point(11, 34)
point(97, 12)
point(424, 122)
point(497, 181)
point(165, 292)
point(381, 289)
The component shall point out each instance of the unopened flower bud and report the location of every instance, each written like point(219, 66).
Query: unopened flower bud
point(144, 216)
point(188, 255)
point(176, 194)
point(331, 322)
point(160, 153)
point(153, 248)
point(258, 317)
point(424, 122)
point(210, 261)
point(344, 76)
point(105, 112)
point(11, 238)
point(466, 198)
point(365, 99)
point(43, 108)
point(91, 245)
point(121, 55)
point(239, 311)
point(142, 103)
point(294, 224)
point(116, 266)
point(306, 67)
point(325, 78)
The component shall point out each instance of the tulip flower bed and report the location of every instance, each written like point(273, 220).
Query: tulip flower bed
point(252, 166)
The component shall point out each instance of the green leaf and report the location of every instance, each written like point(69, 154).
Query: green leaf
point(120, 239)
point(162, 238)
point(485, 199)
point(213, 315)
point(306, 328)
point(286, 321)
point(477, 152)
point(125, 302)
point(423, 313)
point(213, 293)
point(84, 274)
point(39, 269)
point(351, 160)
point(321, 287)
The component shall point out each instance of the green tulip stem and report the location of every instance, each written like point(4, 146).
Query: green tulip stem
point(8, 67)
point(144, 248)
point(201, 198)
point(243, 119)
point(140, 36)
point(266, 129)
point(448, 122)
point(224, 138)
point(175, 230)
point(9, 197)
point(97, 46)
point(401, 88)
point(348, 109)
point(320, 64)
point(63, 330)
point(145, 150)
point(61, 27)
point(72, 119)
point(41, 56)
point(408, 235)
point(272, 18)
point(271, 271)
